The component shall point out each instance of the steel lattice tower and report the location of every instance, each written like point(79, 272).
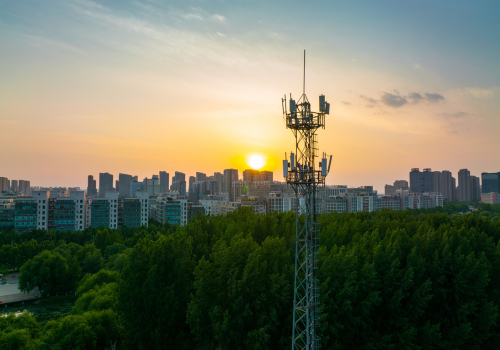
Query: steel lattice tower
point(300, 172)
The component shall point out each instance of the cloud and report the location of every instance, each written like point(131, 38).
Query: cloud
point(455, 115)
point(392, 100)
point(346, 103)
point(432, 98)
point(368, 99)
point(418, 67)
point(396, 100)
point(474, 92)
point(220, 34)
point(219, 18)
point(415, 97)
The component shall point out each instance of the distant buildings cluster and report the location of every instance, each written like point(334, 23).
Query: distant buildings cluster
point(128, 202)
point(468, 188)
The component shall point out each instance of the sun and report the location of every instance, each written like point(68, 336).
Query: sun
point(256, 161)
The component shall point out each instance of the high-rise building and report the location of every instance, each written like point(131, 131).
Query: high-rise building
point(4, 184)
point(103, 212)
point(91, 187)
point(69, 212)
point(136, 186)
point(133, 211)
point(179, 183)
point(26, 214)
point(24, 187)
point(219, 177)
point(251, 175)
point(105, 183)
point(201, 177)
point(230, 176)
point(444, 183)
point(14, 186)
point(192, 180)
point(490, 182)
point(398, 184)
point(266, 176)
point(117, 184)
point(123, 186)
point(475, 189)
point(464, 183)
point(389, 190)
point(152, 186)
point(164, 181)
point(421, 181)
point(43, 204)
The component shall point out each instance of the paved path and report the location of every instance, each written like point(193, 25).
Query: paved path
point(10, 292)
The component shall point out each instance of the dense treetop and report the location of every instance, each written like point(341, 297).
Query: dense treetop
point(422, 279)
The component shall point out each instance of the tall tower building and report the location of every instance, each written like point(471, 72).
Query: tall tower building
point(421, 181)
point(192, 180)
point(105, 183)
point(24, 187)
point(219, 178)
point(123, 186)
point(444, 183)
point(91, 187)
point(490, 182)
point(14, 186)
point(230, 176)
point(179, 183)
point(266, 176)
point(475, 190)
point(4, 184)
point(464, 183)
point(164, 181)
point(251, 175)
point(201, 177)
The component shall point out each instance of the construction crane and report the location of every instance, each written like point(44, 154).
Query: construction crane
point(303, 175)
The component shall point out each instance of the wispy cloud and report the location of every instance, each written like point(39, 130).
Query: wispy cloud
point(371, 101)
point(474, 92)
point(218, 18)
point(162, 40)
point(346, 103)
point(455, 122)
point(455, 115)
point(41, 41)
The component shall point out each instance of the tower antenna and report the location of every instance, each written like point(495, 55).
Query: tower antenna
point(301, 173)
point(304, 81)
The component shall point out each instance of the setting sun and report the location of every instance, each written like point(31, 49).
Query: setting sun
point(256, 161)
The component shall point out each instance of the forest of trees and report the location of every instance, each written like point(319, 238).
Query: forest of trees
point(420, 279)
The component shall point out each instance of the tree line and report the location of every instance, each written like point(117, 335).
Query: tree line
point(421, 279)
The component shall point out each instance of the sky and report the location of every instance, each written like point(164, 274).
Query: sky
point(139, 87)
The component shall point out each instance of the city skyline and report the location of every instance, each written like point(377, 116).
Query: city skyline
point(92, 87)
point(380, 190)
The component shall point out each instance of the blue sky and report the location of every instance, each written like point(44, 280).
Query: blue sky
point(143, 86)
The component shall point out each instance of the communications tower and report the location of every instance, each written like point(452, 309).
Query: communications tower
point(301, 172)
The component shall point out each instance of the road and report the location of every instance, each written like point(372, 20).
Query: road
point(10, 292)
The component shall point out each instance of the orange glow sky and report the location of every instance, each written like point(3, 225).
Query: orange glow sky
point(135, 88)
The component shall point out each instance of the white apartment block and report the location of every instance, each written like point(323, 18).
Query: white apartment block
point(69, 212)
point(274, 202)
point(42, 198)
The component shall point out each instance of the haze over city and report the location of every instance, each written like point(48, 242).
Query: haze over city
point(137, 87)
